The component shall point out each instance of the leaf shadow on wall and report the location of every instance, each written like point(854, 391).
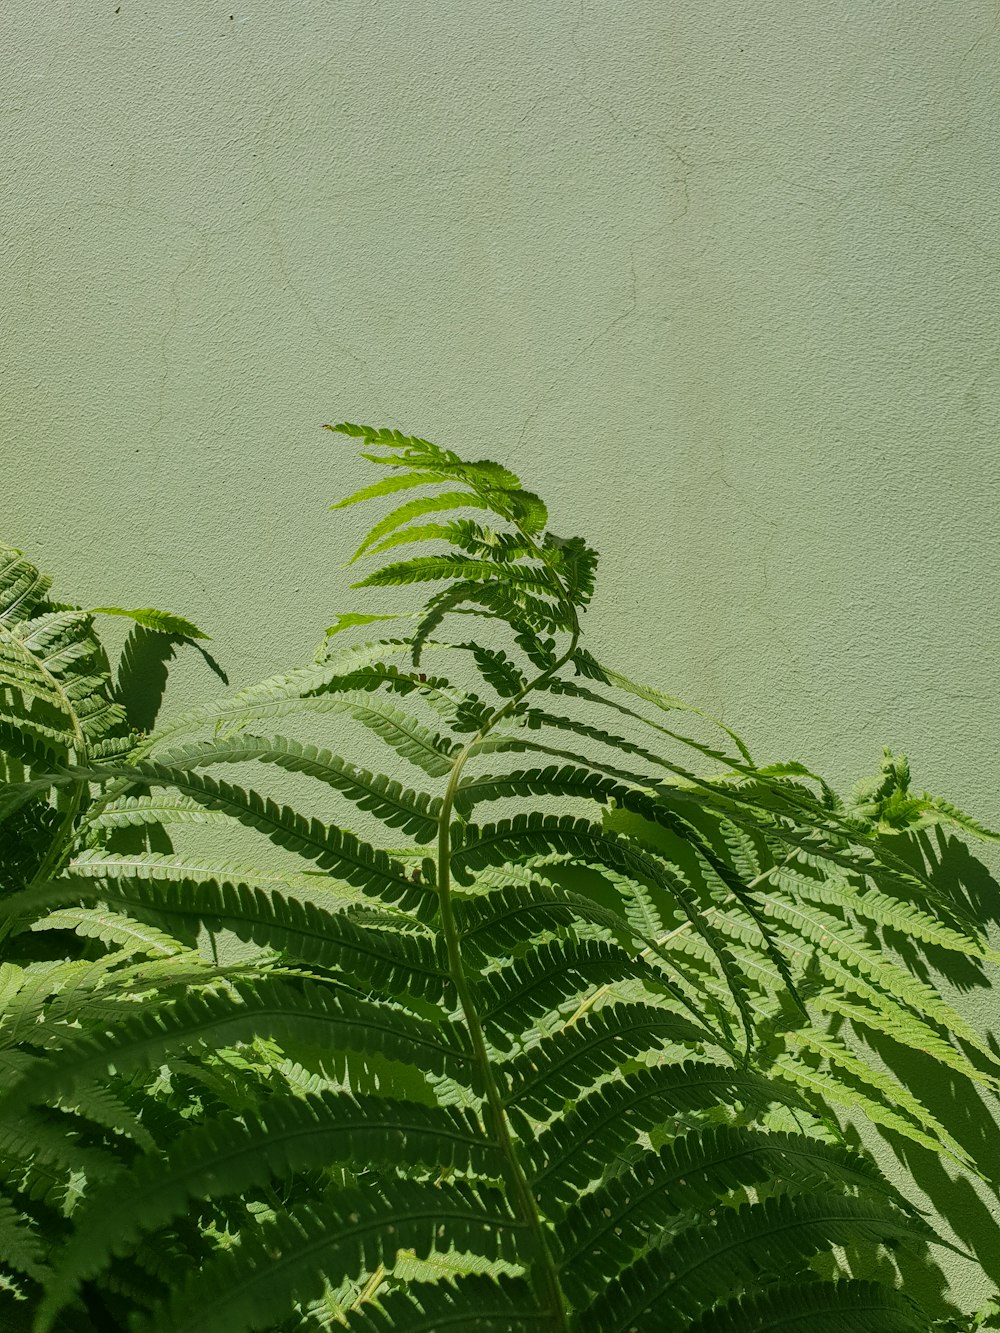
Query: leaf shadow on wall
point(970, 1114)
point(143, 668)
point(140, 687)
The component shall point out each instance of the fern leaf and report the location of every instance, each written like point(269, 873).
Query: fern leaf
point(304, 931)
point(104, 1107)
point(497, 669)
point(492, 923)
point(842, 949)
point(545, 976)
point(338, 671)
point(387, 486)
point(22, 587)
point(477, 1304)
point(546, 1076)
point(21, 1247)
point(534, 835)
point(946, 813)
point(333, 849)
point(882, 1099)
point(415, 532)
point(311, 1014)
point(111, 928)
point(866, 1089)
point(575, 1148)
point(847, 1306)
point(658, 1194)
point(475, 539)
point(888, 1021)
point(106, 866)
point(45, 1161)
point(413, 812)
point(256, 1286)
point(493, 483)
point(869, 904)
point(554, 781)
point(285, 1135)
point(447, 1091)
point(437, 607)
point(669, 703)
point(163, 808)
point(429, 569)
point(778, 1235)
point(351, 620)
point(426, 504)
point(160, 621)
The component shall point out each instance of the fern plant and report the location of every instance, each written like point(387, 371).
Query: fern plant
point(549, 1047)
point(62, 705)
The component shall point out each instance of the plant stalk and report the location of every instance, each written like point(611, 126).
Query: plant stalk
point(544, 1272)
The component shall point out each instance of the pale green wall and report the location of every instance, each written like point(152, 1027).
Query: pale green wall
point(721, 279)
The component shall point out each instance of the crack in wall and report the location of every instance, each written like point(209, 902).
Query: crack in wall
point(681, 177)
point(603, 335)
point(277, 102)
point(170, 325)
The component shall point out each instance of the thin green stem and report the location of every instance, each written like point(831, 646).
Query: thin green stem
point(543, 1271)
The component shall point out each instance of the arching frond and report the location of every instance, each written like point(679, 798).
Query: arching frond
point(480, 1068)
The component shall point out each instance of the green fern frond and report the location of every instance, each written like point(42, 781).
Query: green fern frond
point(658, 1193)
point(434, 568)
point(777, 1235)
point(395, 962)
point(545, 977)
point(554, 781)
point(22, 586)
point(283, 1136)
point(21, 1247)
point(112, 928)
point(426, 504)
point(253, 1287)
point(160, 621)
point(478, 1304)
point(487, 1079)
point(871, 906)
point(851, 1086)
point(573, 1151)
point(170, 866)
point(846, 1306)
point(331, 848)
point(667, 703)
point(386, 486)
point(547, 1075)
point(309, 1014)
point(844, 957)
point(160, 809)
point(396, 807)
point(104, 1107)
point(529, 836)
point(351, 670)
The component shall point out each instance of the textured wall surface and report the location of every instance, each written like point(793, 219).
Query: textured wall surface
point(720, 279)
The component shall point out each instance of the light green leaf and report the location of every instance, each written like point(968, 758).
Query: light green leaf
point(161, 621)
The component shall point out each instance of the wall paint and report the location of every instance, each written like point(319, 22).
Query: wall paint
point(720, 279)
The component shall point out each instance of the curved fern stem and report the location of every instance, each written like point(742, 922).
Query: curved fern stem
point(544, 1273)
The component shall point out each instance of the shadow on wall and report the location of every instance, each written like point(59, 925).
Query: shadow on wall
point(142, 673)
point(140, 687)
point(971, 1209)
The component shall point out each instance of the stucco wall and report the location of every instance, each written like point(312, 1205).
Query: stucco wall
point(720, 279)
